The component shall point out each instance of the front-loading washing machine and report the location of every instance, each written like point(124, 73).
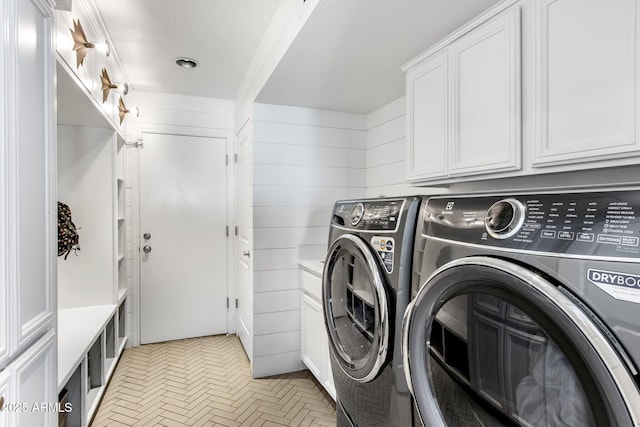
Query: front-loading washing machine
point(366, 289)
point(526, 310)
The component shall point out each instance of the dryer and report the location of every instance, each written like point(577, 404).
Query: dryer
point(526, 310)
point(366, 289)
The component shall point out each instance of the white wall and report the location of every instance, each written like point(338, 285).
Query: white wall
point(86, 183)
point(303, 161)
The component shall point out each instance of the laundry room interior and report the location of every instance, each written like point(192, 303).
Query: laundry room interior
point(320, 212)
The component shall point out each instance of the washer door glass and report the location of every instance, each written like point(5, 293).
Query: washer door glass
point(486, 345)
point(355, 308)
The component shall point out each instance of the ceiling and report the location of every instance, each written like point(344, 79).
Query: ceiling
point(346, 58)
point(222, 35)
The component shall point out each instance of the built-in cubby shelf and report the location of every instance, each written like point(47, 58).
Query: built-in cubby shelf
point(92, 284)
point(90, 341)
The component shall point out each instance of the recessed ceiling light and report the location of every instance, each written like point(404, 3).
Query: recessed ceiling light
point(187, 62)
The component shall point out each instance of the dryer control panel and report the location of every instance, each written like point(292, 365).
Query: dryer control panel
point(373, 215)
point(589, 224)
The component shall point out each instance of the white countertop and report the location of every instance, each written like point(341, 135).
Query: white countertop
point(314, 266)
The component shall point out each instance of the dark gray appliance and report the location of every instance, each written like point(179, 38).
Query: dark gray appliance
point(366, 289)
point(526, 310)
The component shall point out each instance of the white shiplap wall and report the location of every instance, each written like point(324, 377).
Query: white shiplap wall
point(303, 161)
point(386, 139)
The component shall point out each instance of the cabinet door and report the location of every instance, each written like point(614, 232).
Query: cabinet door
point(585, 80)
point(34, 376)
point(313, 352)
point(485, 115)
point(427, 110)
point(30, 389)
point(30, 186)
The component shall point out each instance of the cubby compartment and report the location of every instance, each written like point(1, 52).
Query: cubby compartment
point(122, 324)
point(95, 372)
point(73, 391)
point(111, 344)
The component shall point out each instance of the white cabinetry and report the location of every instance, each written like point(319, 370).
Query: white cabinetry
point(463, 102)
point(314, 340)
point(586, 81)
point(27, 214)
point(92, 287)
point(27, 387)
point(92, 282)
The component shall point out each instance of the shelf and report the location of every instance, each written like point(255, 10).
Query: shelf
point(75, 105)
point(78, 328)
point(93, 399)
point(109, 366)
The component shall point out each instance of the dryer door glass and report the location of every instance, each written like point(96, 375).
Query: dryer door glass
point(355, 307)
point(486, 345)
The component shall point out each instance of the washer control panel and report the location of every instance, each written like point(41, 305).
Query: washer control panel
point(374, 215)
point(594, 224)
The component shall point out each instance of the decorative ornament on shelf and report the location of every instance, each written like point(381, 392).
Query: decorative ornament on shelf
point(124, 110)
point(81, 44)
point(107, 86)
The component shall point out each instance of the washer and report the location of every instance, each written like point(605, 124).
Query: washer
point(526, 310)
point(366, 289)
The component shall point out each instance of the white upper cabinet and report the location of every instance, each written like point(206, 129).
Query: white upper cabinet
point(463, 102)
point(586, 83)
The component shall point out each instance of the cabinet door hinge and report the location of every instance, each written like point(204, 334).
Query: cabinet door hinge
point(236, 302)
point(235, 157)
point(227, 302)
point(236, 230)
point(227, 230)
point(226, 159)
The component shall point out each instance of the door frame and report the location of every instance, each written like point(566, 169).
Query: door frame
point(132, 216)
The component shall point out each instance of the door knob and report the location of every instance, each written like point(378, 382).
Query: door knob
point(247, 254)
point(146, 236)
point(146, 249)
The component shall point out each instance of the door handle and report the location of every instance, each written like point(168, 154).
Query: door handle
point(247, 254)
point(146, 249)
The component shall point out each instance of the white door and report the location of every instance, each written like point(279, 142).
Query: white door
point(245, 277)
point(183, 237)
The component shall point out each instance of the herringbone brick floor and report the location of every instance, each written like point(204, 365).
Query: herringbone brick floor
point(207, 382)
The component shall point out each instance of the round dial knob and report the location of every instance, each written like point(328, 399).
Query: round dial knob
point(356, 214)
point(504, 218)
